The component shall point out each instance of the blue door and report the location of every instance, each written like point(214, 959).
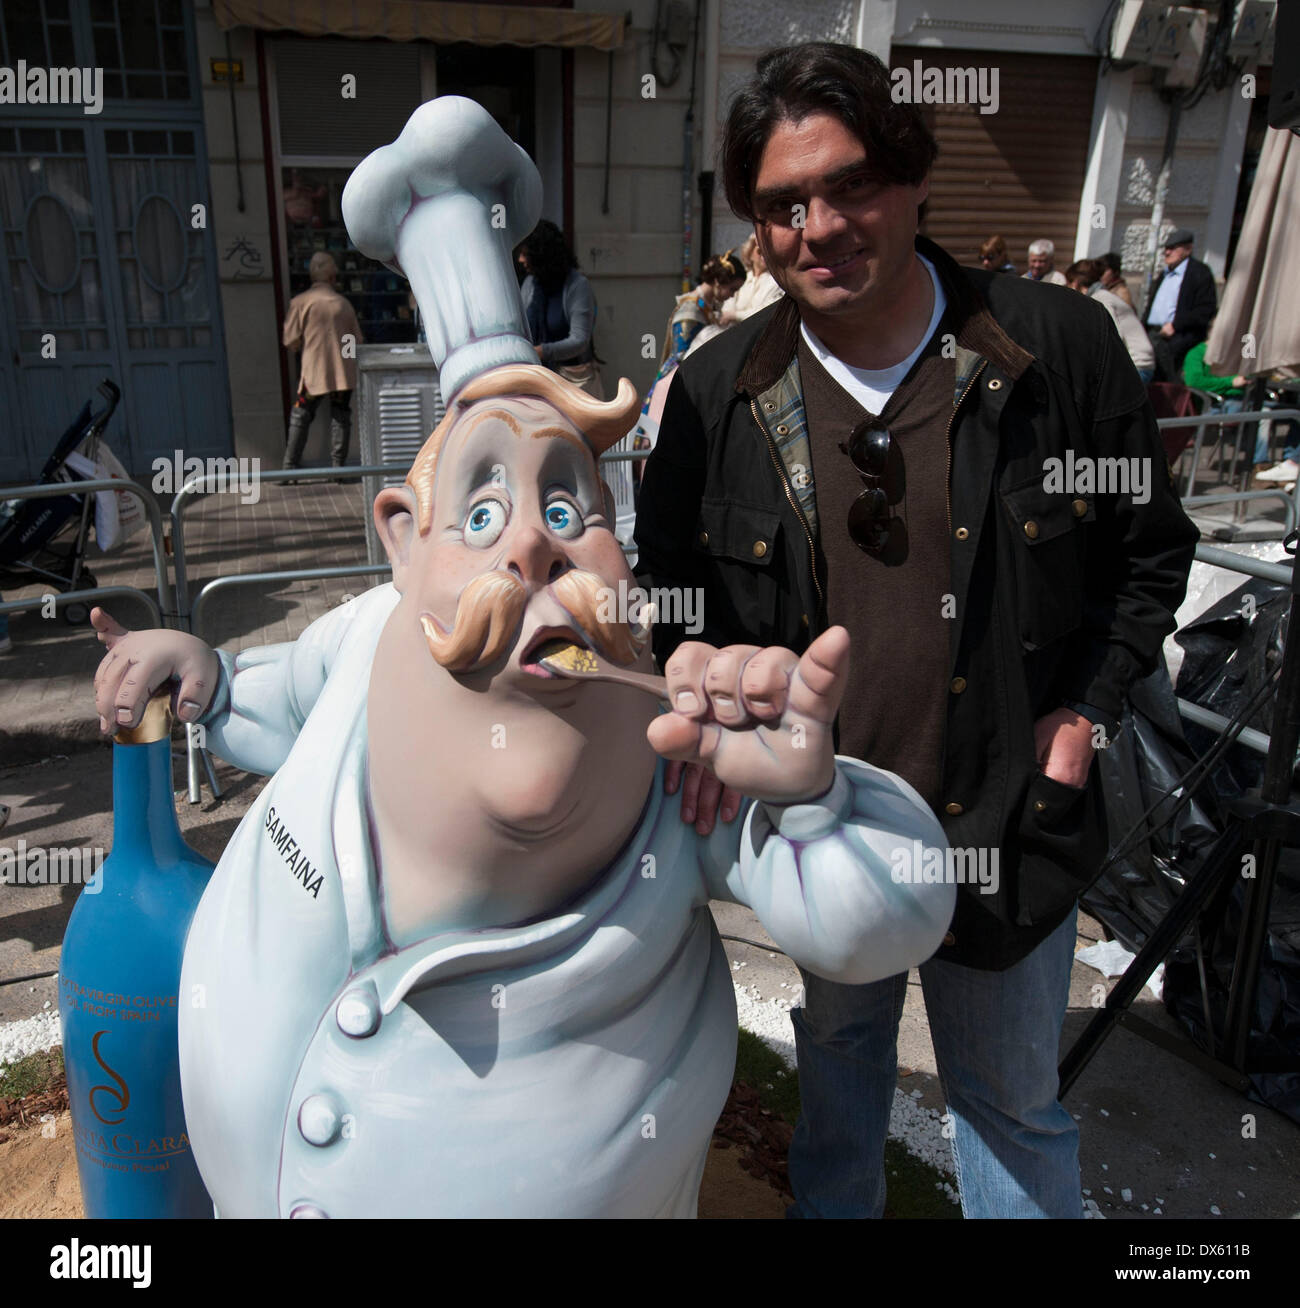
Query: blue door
point(109, 265)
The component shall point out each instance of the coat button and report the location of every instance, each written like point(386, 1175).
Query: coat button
point(1080, 507)
point(953, 809)
point(957, 685)
point(949, 940)
point(760, 548)
point(1039, 806)
point(803, 619)
point(319, 1120)
point(961, 533)
point(704, 538)
point(782, 429)
point(307, 1210)
point(1031, 529)
point(358, 1012)
point(995, 384)
point(770, 405)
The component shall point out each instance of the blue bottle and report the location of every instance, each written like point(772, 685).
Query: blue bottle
point(119, 983)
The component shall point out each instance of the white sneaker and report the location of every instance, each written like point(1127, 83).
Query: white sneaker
point(1288, 470)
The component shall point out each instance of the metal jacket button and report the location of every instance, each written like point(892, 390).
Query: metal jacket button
point(995, 384)
point(961, 533)
point(1080, 507)
point(949, 940)
point(319, 1120)
point(704, 538)
point(1039, 806)
point(953, 809)
point(760, 548)
point(358, 1012)
point(957, 685)
point(1031, 530)
point(782, 429)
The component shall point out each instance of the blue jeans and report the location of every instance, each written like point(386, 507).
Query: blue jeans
point(995, 1035)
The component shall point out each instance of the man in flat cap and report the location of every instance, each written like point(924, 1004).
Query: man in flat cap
point(1183, 302)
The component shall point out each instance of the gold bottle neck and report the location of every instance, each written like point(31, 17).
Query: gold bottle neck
point(156, 724)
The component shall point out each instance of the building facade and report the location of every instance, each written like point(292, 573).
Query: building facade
point(159, 240)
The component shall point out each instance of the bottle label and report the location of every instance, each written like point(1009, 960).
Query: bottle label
point(110, 1004)
point(114, 1081)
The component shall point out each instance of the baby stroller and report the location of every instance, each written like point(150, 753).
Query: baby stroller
point(45, 540)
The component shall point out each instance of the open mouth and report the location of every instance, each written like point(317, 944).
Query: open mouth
point(548, 640)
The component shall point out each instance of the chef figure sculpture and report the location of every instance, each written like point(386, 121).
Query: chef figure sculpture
point(458, 960)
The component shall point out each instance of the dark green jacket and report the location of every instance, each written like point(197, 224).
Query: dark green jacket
point(1057, 598)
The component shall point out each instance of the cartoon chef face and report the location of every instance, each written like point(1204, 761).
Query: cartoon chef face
point(512, 540)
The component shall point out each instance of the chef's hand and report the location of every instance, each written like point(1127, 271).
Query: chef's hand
point(1064, 748)
point(139, 662)
point(701, 792)
point(761, 720)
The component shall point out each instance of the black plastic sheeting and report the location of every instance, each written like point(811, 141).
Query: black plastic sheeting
point(1229, 652)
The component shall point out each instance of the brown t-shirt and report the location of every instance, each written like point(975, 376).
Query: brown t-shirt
point(895, 711)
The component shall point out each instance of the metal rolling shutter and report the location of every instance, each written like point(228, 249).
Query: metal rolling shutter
point(1018, 172)
point(316, 119)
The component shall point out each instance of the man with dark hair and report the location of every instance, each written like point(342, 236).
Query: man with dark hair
point(1182, 305)
point(882, 449)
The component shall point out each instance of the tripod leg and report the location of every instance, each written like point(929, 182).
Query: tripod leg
point(1222, 861)
point(212, 776)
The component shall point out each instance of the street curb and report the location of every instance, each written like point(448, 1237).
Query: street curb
point(34, 744)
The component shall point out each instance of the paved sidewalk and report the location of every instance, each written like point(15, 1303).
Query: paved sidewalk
point(46, 703)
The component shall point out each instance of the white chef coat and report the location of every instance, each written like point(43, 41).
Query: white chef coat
point(573, 1066)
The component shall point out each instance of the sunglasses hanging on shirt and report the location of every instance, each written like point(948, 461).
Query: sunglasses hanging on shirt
point(879, 462)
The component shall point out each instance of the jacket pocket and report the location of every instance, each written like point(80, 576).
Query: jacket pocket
point(743, 546)
point(1045, 528)
point(1062, 842)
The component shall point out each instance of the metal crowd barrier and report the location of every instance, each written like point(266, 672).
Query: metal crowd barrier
point(1212, 419)
point(158, 610)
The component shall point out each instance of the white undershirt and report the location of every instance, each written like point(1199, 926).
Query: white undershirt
point(872, 387)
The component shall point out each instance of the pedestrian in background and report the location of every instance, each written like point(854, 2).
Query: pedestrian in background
point(994, 257)
point(323, 325)
point(1110, 277)
point(560, 308)
point(1182, 305)
point(1041, 267)
point(1085, 276)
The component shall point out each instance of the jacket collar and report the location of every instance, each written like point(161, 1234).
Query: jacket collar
point(977, 331)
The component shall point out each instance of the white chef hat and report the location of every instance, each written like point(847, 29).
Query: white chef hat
point(445, 204)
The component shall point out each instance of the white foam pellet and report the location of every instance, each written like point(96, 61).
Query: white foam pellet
point(32, 1035)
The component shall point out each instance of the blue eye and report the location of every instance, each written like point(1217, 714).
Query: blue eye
point(563, 519)
point(485, 523)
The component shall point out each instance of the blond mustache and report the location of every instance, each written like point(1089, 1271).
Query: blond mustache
point(491, 607)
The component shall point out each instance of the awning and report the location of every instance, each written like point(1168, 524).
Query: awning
point(425, 20)
point(1260, 306)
